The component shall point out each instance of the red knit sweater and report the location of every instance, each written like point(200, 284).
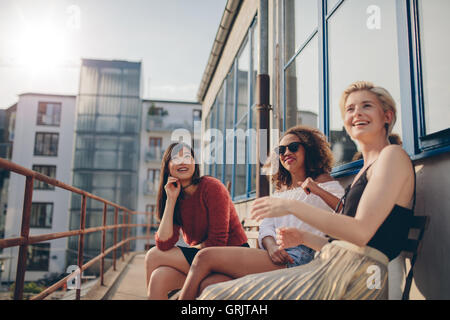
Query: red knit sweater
point(207, 216)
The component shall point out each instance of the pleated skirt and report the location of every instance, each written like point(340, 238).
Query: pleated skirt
point(340, 271)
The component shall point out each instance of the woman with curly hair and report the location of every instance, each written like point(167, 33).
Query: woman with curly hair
point(351, 264)
point(303, 153)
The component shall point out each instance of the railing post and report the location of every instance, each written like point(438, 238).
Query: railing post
point(123, 235)
point(128, 232)
point(81, 243)
point(148, 229)
point(25, 231)
point(102, 264)
point(116, 220)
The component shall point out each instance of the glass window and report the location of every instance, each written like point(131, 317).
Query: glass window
point(107, 124)
point(362, 46)
point(435, 50)
point(38, 257)
point(153, 180)
point(229, 126)
point(206, 155)
point(154, 149)
point(300, 18)
point(46, 144)
point(243, 69)
point(240, 183)
point(41, 215)
point(105, 159)
point(302, 88)
point(49, 114)
point(219, 106)
point(49, 171)
point(331, 4)
point(252, 156)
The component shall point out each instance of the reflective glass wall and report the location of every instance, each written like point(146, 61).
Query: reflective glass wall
point(106, 156)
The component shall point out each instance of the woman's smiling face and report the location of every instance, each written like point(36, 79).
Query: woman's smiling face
point(182, 165)
point(364, 115)
point(292, 161)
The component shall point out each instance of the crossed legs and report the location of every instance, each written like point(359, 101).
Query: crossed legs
point(234, 262)
point(167, 270)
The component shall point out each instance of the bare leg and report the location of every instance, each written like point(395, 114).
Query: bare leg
point(212, 279)
point(235, 262)
point(156, 258)
point(163, 280)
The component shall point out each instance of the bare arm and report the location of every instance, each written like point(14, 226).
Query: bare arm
point(278, 255)
point(311, 186)
point(290, 237)
point(391, 180)
point(165, 229)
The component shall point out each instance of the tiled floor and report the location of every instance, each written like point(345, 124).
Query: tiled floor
point(131, 285)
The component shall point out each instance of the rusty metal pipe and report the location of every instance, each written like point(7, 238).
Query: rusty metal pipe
point(24, 233)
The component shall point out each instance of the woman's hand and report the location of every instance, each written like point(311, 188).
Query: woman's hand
point(266, 207)
point(278, 255)
point(289, 237)
point(173, 188)
point(310, 186)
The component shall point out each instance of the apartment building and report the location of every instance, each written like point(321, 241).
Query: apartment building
point(42, 141)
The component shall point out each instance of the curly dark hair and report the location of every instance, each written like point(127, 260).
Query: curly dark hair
point(318, 156)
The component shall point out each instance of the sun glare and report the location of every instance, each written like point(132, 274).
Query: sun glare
point(41, 47)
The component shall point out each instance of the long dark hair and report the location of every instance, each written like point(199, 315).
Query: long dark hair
point(173, 149)
point(318, 156)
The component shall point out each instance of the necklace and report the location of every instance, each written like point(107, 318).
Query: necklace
point(187, 186)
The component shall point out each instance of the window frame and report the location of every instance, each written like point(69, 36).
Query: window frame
point(44, 134)
point(40, 185)
point(39, 115)
point(37, 226)
point(43, 262)
point(214, 123)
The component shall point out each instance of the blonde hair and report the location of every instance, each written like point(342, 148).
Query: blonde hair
point(387, 102)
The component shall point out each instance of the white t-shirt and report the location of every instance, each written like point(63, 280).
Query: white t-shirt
point(269, 225)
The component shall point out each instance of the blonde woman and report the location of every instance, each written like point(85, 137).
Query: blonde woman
point(372, 229)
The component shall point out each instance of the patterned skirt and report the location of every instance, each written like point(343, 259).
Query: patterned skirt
point(341, 270)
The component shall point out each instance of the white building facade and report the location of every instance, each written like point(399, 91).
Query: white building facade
point(43, 142)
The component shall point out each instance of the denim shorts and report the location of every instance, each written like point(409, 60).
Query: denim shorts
point(300, 254)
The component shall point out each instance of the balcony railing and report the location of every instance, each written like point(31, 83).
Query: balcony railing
point(25, 239)
point(165, 123)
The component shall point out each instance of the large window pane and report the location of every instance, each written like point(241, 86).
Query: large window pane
point(301, 18)
point(331, 4)
point(302, 88)
point(362, 46)
point(49, 171)
point(220, 101)
point(435, 67)
point(243, 70)
point(240, 185)
point(49, 114)
point(41, 215)
point(229, 123)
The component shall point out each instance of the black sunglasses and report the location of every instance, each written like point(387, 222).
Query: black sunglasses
point(293, 147)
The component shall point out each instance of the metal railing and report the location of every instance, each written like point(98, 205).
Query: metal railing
point(25, 239)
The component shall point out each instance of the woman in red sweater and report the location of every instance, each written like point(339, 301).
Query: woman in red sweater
point(198, 206)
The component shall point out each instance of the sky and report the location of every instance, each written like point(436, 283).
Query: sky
point(42, 42)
